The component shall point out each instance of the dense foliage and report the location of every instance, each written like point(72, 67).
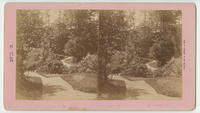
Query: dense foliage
point(100, 41)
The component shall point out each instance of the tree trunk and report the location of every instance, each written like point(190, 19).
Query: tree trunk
point(102, 58)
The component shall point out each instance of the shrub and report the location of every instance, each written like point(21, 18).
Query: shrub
point(32, 60)
point(77, 48)
point(163, 51)
point(117, 62)
point(138, 70)
point(73, 69)
point(65, 70)
point(53, 66)
point(142, 71)
point(88, 64)
point(42, 68)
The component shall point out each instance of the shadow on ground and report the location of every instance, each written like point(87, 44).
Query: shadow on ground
point(135, 92)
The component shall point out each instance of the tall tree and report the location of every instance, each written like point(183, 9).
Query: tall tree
point(169, 35)
point(29, 33)
point(85, 34)
point(112, 36)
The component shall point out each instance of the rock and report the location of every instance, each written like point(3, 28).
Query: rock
point(34, 83)
point(88, 71)
point(68, 62)
point(153, 65)
point(36, 80)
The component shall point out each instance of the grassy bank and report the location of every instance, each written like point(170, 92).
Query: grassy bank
point(86, 82)
point(170, 86)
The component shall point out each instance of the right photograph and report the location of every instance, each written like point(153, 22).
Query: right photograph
point(99, 55)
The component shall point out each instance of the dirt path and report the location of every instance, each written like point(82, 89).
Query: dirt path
point(55, 88)
point(143, 91)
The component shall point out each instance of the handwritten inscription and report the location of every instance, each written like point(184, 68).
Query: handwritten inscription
point(184, 54)
point(11, 54)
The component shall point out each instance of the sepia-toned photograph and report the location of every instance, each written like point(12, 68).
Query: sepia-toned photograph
point(98, 54)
